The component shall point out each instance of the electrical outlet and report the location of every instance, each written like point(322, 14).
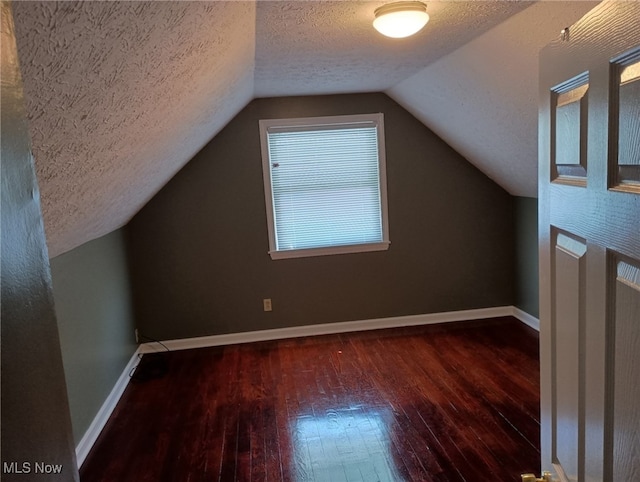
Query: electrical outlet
point(266, 304)
point(137, 338)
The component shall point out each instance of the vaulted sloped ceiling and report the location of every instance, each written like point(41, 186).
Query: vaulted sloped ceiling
point(331, 47)
point(120, 95)
point(482, 99)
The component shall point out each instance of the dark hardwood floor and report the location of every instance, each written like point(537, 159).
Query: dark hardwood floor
point(451, 402)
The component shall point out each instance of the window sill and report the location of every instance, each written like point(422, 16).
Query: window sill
point(352, 248)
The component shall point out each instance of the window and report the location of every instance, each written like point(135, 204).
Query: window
point(325, 185)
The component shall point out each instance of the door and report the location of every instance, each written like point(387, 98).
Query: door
point(589, 201)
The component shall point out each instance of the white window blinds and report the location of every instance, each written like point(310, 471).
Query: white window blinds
point(323, 182)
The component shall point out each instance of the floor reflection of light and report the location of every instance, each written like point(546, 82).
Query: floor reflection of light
point(343, 445)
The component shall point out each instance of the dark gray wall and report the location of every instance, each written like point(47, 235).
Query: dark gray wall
point(35, 412)
point(199, 248)
point(95, 318)
point(526, 226)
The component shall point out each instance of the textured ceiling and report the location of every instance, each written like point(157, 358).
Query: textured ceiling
point(331, 47)
point(482, 99)
point(120, 95)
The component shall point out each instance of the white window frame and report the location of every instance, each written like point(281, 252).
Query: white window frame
point(319, 123)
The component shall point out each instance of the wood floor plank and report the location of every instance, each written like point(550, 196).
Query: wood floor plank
point(456, 402)
point(509, 401)
point(410, 436)
point(466, 405)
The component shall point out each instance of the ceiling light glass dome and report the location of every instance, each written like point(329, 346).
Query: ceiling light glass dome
point(400, 19)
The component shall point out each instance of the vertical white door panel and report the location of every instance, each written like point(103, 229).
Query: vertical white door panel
point(589, 201)
point(626, 350)
point(567, 327)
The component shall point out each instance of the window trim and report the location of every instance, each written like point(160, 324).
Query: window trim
point(314, 124)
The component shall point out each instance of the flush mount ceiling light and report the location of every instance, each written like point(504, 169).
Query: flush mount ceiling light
point(400, 19)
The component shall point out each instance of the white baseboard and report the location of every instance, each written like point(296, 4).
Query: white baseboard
point(84, 446)
point(526, 318)
point(101, 418)
point(327, 329)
